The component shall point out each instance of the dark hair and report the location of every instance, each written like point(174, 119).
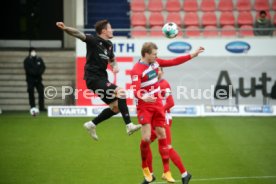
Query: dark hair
point(262, 12)
point(31, 49)
point(148, 47)
point(100, 25)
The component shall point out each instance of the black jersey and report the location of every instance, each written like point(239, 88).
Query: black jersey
point(99, 53)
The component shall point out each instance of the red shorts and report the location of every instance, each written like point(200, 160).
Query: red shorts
point(151, 115)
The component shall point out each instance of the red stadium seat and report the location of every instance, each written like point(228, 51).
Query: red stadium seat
point(209, 19)
point(228, 31)
point(173, 6)
point(261, 5)
point(274, 5)
point(226, 5)
point(156, 31)
point(139, 31)
point(191, 19)
point(155, 5)
point(192, 31)
point(243, 5)
point(208, 5)
point(174, 17)
point(138, 19)
point(156, 19)
point(137, 5)
point(227, 18)
point(246, 30)
point(245, 18)
point(190, 5)
point(210, 31)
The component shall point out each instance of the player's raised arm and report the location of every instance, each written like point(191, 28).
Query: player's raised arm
point(179, 60)
point(71, 31)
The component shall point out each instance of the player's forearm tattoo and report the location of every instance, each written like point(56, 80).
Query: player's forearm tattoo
point(74, 32)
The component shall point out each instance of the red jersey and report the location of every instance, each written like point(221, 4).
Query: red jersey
point(145, 79)
point(166, 93)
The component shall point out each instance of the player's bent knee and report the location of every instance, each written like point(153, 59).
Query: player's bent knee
point(146, 139)
point(114, 107)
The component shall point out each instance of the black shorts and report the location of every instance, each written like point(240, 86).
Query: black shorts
point(103, 88)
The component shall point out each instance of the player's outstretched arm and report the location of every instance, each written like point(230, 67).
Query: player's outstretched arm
point(71, 31)
point(179, 60)
point(197, 52)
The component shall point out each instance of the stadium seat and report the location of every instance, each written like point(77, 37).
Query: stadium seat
point(274, 5)
point(156, 19)
point(246, 30)
point(174, 17)
point(243, 5)
point(156, 31)
point(137, 5)
point(155, 5)
point(228, 31)
point(210, 31)
point(138, 19)
point(191, 19)
point(173, 6)
point(208, 5)
point(225, 5)
point(261, 5)
point(139, 31)
point(245, 18)
point(227, 18)
point(192, 31)
point(209, 19)
point(190, 5)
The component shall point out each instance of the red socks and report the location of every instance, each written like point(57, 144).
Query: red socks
point(164, 152)
point(144, 148)
point(177, 160)
point(149, 160)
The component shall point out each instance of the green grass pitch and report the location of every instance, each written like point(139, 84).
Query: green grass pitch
point(216, 150)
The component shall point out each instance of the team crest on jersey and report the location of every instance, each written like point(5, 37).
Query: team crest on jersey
point(108, 84)
point(135, 78)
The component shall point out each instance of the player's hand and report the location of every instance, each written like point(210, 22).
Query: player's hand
point(61, 25)
point(148, 98)
point(197, 52)
point(116, 69)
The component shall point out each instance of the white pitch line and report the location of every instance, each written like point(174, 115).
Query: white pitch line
point(224, 178)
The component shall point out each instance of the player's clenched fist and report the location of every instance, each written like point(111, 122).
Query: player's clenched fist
point(60, 25)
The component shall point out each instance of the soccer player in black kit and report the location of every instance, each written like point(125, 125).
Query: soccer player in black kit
point(99, 54)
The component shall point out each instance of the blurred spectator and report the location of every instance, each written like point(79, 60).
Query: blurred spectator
point(34, 68)
point(263, 25)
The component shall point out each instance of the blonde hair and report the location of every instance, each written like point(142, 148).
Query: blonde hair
point(147, 48)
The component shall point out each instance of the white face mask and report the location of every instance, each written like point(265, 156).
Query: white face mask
point(33, 53)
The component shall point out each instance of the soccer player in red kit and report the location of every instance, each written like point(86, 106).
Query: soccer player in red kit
point(168, 103)
point(150, 109)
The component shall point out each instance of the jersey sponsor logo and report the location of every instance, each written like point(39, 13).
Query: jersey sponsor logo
point(179, 47)
point(135, 78)
point(152, 74)
point(237, 47)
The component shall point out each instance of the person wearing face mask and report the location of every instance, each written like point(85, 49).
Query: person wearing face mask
point(34, 69)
